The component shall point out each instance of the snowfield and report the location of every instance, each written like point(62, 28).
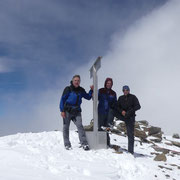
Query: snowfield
point(41, 156)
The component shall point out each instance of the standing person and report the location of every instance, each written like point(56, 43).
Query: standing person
point(70, 107)
point(127, 105)
point(107, 100)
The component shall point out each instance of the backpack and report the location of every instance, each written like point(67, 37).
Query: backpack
point(73, 110)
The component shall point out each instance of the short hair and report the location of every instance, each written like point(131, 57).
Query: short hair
point(78, 76)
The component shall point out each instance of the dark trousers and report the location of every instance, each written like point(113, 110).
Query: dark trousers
point(105, 120)
point(130, 133)
point(130, 122)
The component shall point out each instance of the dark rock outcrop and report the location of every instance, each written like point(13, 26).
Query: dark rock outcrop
point(176, 136)
point(140, 133)
point(154, 130)
point(175, 143)
point(143, 122)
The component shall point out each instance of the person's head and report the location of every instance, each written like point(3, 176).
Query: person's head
point(108, 83)
point(126, 90)
point(76, 81)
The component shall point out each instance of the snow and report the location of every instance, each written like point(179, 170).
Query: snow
point(41, 156)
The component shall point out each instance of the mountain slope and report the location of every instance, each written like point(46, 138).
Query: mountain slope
point(41, 156)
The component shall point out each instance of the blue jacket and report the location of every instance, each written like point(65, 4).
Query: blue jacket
point(70, 97)
point(107, 99)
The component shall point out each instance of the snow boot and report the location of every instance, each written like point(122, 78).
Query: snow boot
point(68, 147)
point(86, 147)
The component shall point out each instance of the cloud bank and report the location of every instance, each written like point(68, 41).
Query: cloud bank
point(46, 39)
point(43, 31)
point(147, 59)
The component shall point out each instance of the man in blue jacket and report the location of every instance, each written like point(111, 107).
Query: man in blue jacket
point(70, 107)
point(107, 102)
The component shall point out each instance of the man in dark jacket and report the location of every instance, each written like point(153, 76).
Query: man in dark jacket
point(70, 107)
point(107, 101)
point(127, 105)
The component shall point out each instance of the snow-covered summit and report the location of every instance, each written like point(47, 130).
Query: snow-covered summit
point(41, 156)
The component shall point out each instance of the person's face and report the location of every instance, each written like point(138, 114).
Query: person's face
point(109, 85)
point(76, 82)
point(126, 92)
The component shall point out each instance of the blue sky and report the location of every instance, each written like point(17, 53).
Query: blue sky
point(42, 42)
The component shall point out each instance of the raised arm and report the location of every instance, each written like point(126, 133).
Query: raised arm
point(86, 95)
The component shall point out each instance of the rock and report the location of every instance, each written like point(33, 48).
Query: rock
point(144, 140)
point(159, 149)
point(172, 155)
point(118, 132)
point(167, 176)
point(173, 165)
point(163, 167)
point(154, 130)
point(137, 125)
point(115, 147)
point(121, 127)
point(143, 122)
point(145, 129)
point(158, 140)
point(154, 153)
point(158, 135)
point(169, 144)
point(175, 153)
point(176, 143)
point(89, 127)
point(140, 133)
point(176, 136)
point(160, 157)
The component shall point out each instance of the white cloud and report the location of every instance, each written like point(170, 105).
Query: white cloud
point(147, 59)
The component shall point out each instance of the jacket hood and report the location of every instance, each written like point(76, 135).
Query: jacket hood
point(108, 79)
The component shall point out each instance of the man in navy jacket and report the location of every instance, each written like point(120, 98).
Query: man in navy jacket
point(70, 107)
point(107, 102)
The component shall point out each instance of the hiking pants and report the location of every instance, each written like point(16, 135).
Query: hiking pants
point(78, 122)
